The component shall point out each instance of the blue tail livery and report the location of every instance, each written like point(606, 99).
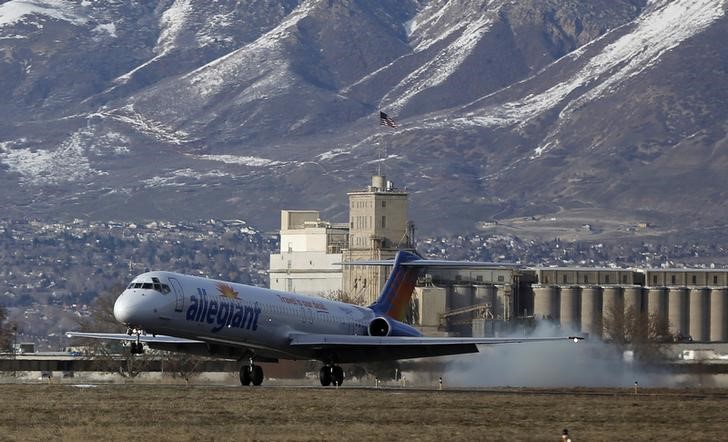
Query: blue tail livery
point(397, 291)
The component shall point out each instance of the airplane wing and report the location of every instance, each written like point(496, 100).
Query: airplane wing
point(161, 339)
point(348, 348)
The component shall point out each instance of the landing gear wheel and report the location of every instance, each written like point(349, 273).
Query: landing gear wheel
point(137, 348)
point(251, 374)
point(337, 375)
point(256, 375)
point(245, 375)
point(325, 375)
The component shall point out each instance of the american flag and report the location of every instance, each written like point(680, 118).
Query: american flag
point(384, 120)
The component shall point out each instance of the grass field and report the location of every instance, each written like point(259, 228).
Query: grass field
point(173, 412)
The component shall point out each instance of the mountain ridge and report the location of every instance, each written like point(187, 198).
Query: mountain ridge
point(506, 109)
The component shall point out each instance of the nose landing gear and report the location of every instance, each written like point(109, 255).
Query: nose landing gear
point(331, 374)
point(136, 348)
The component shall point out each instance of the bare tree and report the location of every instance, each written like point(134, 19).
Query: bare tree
point(342, 296)
point(6, 333)
point(182, 365)
point(644, 334)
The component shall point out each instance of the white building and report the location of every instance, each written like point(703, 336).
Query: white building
point(310, 257)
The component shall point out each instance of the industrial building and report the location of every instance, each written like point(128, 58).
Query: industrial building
point(487, 299)
point(310, 256)
point(690, 304)
point(474, 300)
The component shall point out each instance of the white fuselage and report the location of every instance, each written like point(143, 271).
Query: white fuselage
point(233, 314)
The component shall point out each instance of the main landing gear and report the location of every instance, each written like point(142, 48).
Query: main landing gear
point(331, 374)
point(251, 374)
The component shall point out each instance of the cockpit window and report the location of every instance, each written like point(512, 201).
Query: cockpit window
point(156, 285)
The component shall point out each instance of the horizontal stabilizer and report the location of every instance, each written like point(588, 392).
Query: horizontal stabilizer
point(434, 263)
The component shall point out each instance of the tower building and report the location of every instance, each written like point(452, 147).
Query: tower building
point(378, 228)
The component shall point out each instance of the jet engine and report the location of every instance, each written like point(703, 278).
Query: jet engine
point(382, 326)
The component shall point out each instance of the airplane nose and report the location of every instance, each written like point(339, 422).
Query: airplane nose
point(124, 309)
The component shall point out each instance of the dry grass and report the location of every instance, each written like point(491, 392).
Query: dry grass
point(165, 412)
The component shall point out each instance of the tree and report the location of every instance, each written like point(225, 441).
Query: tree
point(342, 296)
point(6, 332)
point(644, 334)
point(182, 365)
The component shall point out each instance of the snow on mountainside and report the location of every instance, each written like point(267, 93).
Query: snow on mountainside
point(663, 26)
point(33, 13)
point(221, 106)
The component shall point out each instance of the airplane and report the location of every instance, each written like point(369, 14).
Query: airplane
point(175, 312)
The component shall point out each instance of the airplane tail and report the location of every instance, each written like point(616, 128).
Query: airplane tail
point(397, 291)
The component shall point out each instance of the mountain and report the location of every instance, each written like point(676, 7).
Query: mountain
point(546, 109)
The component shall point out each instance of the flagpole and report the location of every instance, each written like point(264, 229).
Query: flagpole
point(384, 158)
point(379, 163)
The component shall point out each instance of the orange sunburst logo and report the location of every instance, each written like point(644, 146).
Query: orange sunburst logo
point(227, 291)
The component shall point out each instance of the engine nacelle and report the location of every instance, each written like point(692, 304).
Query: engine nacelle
point(382, 326)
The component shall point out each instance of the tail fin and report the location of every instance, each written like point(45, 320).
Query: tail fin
point(396, 293)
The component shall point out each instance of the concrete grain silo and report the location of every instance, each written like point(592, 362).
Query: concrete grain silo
point(504, 302)
point(700, 314)
point(546, 302)
point(633, 299)
point(612, 306)
point(719, 314)
point(570, 308)
point(591, 310)
point(677, 310)
point(461, 296)
point(657, 306)
point(486, 294)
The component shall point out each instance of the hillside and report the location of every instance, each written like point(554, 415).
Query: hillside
point(191, 109)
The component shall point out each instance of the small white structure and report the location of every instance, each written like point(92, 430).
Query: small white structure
point(310, 256)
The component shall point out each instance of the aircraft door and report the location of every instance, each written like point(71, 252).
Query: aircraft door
point(178, 293)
